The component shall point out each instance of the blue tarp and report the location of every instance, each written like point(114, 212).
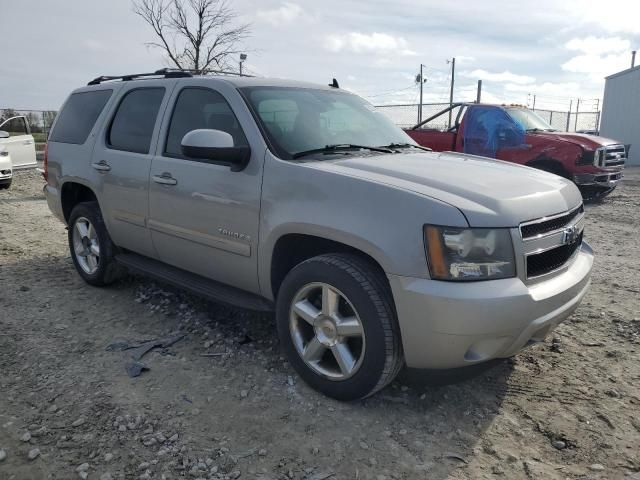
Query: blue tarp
point(488, 129)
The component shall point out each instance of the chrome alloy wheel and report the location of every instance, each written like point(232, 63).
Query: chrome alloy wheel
point(327, 331)
point(86, 245)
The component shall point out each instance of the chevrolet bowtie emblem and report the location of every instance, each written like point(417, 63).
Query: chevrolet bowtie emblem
point(570, 235)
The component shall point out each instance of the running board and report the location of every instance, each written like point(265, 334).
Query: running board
point(204, 287)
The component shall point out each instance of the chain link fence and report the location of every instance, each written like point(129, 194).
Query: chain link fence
point(570, 121)
point(406, 116)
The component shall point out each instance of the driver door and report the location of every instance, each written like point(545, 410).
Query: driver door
point(203, 217)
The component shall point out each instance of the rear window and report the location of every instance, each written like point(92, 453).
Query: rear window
point(78, 116)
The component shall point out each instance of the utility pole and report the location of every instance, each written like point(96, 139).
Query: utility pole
point(420, 106)
point(420, 79)
point(575, 127)
point(479, 94)
point(453, 74)
point(569, 115)
point(534, 102)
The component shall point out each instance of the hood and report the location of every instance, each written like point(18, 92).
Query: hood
point(490, 193)
point(588, 142)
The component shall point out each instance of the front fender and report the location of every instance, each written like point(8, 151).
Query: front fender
point(382, 221)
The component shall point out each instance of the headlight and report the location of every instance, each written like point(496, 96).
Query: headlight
point(597, 156)
point(465, 254)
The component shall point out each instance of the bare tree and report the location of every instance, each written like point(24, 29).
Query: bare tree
point(198, 35)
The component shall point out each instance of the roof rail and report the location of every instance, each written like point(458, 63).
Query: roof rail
point(164, 72)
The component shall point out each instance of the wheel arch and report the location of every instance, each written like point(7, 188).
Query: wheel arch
point(551, 165)
point(72, 193)
point(293, 247)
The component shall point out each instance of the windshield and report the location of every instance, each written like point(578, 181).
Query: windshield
point(529, 119)
point(303, 119)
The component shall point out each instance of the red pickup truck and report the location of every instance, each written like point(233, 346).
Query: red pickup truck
point(517, 134)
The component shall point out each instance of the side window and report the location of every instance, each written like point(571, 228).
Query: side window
point(132, 126)
point(198, 108)
point(15, 127)
point(78, 116)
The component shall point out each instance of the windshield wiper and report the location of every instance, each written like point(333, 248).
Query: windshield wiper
point(534, 130)
point(338, 148)
point(407, 145)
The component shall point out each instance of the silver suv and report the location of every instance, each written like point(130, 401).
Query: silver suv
point(279, 195)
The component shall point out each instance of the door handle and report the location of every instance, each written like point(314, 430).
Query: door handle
point(165, 179)
point(28, 142)
point(101, 166)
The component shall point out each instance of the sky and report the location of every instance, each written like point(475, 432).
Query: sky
point(556, 50)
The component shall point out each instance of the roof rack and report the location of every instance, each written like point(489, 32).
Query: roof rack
point(163, 72)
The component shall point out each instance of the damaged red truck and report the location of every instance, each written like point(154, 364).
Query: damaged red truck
point(517, 134)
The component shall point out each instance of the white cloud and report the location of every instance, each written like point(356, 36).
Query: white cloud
point(598, 45)
point(464, 59)
point(286, 13)
point(503, 77)
point(551, 89)
point(357, 42)
point(612, 15)
point(597, 66)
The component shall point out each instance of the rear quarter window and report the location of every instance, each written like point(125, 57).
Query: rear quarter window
point(78, 116)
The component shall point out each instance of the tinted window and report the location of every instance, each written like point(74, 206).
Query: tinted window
point(201, 108)
point(132, 125)
point(79, 115)
point(15, 126)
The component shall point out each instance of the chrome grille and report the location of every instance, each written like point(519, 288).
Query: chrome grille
point(542, 226)
point(552, 259)
point(613, 156)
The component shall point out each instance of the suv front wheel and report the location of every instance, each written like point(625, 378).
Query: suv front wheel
point(91, 247)
point(337, 325)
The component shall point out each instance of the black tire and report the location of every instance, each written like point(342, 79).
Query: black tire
point(365, 286)
point(6, 185)
point(108, 270)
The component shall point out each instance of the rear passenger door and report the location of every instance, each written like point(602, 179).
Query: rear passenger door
point(203, 217)
point(123, 158)
point(20, 143)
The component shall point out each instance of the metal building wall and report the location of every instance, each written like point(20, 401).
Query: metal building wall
point(621, 111)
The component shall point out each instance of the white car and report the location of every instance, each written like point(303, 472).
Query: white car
point(16, 138)
point(6, 171)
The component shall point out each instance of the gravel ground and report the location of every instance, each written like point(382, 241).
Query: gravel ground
point(222, 402)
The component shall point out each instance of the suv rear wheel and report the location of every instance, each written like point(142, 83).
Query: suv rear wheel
point(337, 325)
point(91, 247)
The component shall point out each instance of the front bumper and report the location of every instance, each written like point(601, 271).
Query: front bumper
point(601, 179)
point(6, 172)
point(450, 324)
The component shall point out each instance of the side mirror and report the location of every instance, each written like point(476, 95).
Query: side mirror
point(4, 134)
point(215, 146)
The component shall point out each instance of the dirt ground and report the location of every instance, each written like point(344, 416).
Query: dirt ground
point(223, 403)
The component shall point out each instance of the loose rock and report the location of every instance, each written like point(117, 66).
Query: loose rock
point(33, 454)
